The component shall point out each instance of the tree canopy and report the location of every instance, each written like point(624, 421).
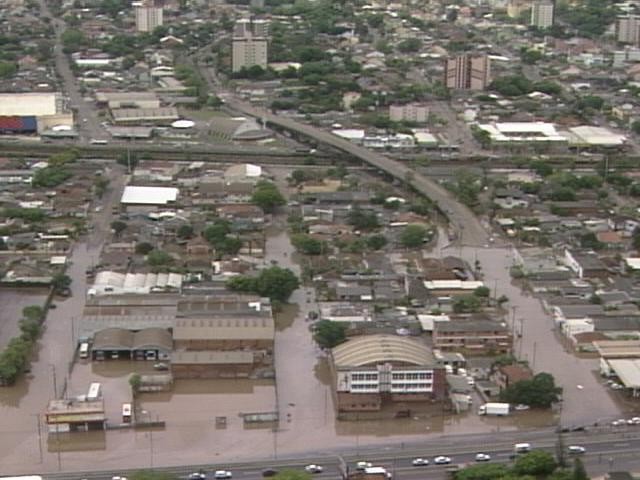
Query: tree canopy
point(413, 236)
point(275, 282)
point(328, 334)
point(267, 196)
point(540, 391)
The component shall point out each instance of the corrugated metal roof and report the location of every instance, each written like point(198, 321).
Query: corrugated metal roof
point(211, 358)
point(224, 328)
point(377, 349)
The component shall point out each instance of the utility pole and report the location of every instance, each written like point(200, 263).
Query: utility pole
point(55, 384)
point(37, 416)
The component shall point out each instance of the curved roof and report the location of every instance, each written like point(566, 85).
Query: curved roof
point(151, 338)
point(376, 349)
point(113, 339)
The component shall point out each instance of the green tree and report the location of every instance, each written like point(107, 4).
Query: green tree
point(466, 304)
point(159, 258)
point(267, 196)
point(33, 312)
point(579, 472)
point(292, 475)
point(362, 220)
point(530, 56)
point(487, 471)
point(376, 242)
point(152, 475)
point(7, 69)
point(540, 391)
point(328, 334)
point(143, 248)
point(409, 45)
point(541, 167)
point(73, 39)
point(275, 282)
point(135, 382)
point(413, 236)
point(307, 244)
point(635, 127)
point(589, 240)
point(537, 462)
point(561, 474)
point(185, 231)
point(50, 177)
point(60, 282)
point(29, 328)
point(118, 226)
point(482, 292)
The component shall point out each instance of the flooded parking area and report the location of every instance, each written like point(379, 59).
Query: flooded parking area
point(12, 301)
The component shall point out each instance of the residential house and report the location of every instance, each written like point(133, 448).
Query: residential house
point(506, 375)
point(479, 335)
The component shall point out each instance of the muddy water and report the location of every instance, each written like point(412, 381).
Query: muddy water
point(12, 301)
point(539, 344)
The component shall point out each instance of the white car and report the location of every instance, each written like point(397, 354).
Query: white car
point(313, 468)
point(576, 449)
point(363, 465)
point(197, 476)
point(222, 474)
point(420, 462)
point(441, 460)
point(634, 421)
point(483, 457)
point(118, 478)
point(619, 422)
point(521, 407)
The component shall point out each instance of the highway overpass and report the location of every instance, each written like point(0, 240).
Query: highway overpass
point(466, 224)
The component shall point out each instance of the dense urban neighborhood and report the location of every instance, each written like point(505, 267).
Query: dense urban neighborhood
point(359, 240)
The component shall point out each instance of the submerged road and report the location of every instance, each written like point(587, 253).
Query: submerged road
point(465, 222)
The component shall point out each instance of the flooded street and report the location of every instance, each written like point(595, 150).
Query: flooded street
point(539, 344)
point(301, 393)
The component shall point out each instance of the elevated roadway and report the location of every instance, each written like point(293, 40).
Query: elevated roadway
point(466, 224)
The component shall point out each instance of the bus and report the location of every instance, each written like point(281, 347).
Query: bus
point(84, 350)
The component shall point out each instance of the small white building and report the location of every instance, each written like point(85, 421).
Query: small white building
point(134, 195)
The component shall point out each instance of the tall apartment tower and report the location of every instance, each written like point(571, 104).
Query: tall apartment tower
point(148, 18)
point(542, 14)
point(249, 44)
point(467, 72)
point(628, 29)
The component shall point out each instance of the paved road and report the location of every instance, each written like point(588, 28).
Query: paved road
point(469, 228)
point(87, 119)
point(605, 450)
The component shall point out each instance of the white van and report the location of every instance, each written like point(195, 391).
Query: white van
point(84, 350)
point(522, 447)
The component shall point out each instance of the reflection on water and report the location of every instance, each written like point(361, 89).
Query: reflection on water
point(285, 316)
point(322, 371)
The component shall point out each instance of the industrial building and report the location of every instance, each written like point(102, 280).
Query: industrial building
point(371, 370)
point(32, 113)
point(69, 415)
point(146, 344)
point(127, 100)
point(114, 283)
point(145, 116)
point(159, 196)
point(212, 364)
point(478, 334)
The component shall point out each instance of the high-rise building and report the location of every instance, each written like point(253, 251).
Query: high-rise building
point(249, 44)
point(628, 29)
point(467, 72)
point(542, 14)
point(148, 18)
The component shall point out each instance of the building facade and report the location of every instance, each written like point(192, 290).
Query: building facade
point(374, 369)
point(148, 18)
point(412, 112)
point(249, 44)
point(542, 14)
point(628, 29)
point(471, 335)
point(468, 72)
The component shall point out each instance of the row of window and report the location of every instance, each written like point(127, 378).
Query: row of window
point(364, 376)
point(412, 376)
point(371, 388)
point(414, 387)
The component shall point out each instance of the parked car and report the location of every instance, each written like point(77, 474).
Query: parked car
point(576, 449)
point(483, 457)
point(313, 468)
point(521, 406)
point(362, 465)
point(160, 366)
point(222, 474)
point(197, 476)
point(420, 462)
point(442, 460)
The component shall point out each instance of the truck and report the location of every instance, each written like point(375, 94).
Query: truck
point(494, 408)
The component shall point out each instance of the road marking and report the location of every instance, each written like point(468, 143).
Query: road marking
point(618, 445)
